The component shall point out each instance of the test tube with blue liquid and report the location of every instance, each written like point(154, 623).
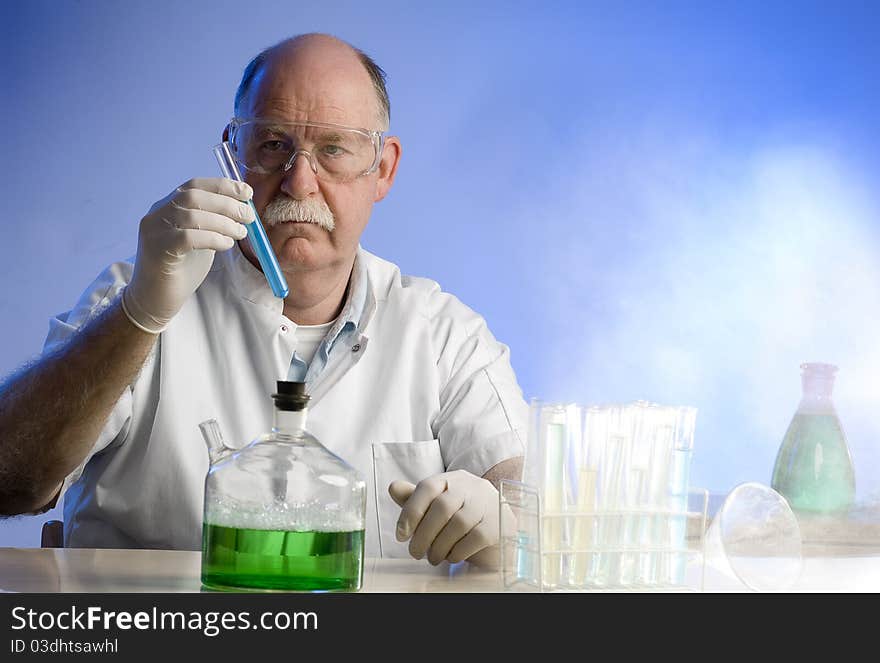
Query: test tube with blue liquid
point(255, 231)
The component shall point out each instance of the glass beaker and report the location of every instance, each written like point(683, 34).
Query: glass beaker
point(754, 539)
point(813, 469)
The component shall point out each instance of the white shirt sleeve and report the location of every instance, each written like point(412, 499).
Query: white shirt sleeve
point(483, 417)
point(104, 290)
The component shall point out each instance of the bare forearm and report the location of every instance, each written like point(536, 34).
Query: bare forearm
point(507, 469)
point(52, 411)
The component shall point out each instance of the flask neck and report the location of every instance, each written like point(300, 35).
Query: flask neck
point(817, 388)
point(289, 422)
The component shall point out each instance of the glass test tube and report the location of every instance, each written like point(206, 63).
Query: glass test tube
point(585, 505)
point(656, 539)
point(639, 422)
point(554, 444)
point(615, 461)
point(679, 470)
point(256, 233)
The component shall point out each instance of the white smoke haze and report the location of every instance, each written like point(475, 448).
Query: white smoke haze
point(309, 210)
point(705, 275)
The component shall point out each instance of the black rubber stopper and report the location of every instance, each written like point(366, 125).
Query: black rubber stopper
point(290, 396)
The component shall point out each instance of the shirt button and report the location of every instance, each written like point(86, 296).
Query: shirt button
point(355, 347)
point(284, 328)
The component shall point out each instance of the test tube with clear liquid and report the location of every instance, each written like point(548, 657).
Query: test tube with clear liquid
point(611, 499)
point(638, 424)
point(591, 441)
point(555, 431)
point(255, 231)
point(678, 482)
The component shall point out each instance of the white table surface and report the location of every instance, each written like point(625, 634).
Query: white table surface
point(102, 570)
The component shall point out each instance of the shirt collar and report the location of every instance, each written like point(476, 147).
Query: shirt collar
point(247, 281)
point(250, 284)
point(356, 297)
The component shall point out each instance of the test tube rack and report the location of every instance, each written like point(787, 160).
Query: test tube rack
point(623, 549)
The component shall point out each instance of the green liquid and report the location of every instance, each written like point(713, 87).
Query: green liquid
point(813, 469)
point(236, 558)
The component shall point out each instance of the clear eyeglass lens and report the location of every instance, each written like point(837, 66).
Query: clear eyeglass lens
point(340, 154)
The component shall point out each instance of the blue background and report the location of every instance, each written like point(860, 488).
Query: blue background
point(674, 201)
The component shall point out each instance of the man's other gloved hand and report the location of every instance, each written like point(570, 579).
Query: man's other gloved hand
point(176, 244)
point(451, 516)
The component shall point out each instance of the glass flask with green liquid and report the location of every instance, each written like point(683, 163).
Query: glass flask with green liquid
point(282, 513)
point(813, 469)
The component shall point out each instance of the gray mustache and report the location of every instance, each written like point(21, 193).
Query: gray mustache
point(311, 210)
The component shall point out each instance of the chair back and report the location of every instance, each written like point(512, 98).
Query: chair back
point(52, 534)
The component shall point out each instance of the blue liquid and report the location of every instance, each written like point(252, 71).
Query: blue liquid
point(266, 256)
point(256, 232)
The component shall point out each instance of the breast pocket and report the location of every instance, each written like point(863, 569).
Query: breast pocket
point(409, 461)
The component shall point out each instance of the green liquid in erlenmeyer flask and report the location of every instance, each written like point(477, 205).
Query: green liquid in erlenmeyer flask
point(813, 468)
point(239, 558)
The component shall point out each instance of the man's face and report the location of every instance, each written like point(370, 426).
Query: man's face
point(318, 81)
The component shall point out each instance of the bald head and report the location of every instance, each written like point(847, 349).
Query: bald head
point(321, 55)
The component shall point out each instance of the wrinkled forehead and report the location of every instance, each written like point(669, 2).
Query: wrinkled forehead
point(269, 129)
point(302, 88)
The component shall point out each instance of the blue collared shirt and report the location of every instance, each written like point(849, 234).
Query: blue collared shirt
point(348, 320)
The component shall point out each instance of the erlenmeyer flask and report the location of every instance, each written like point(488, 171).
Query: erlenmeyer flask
point(282, 513)
point(813, 468)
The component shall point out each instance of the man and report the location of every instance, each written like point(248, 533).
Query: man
point(407, 384)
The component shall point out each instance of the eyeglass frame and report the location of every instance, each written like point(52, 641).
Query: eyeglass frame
point(377, 138)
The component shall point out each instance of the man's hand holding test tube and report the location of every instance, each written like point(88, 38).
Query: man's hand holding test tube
point(176, 244)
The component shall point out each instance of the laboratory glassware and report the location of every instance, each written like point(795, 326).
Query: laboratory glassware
point(755, 540)
point(283, 512)
point(255, 231)
point(605, 500)
point(813, 468)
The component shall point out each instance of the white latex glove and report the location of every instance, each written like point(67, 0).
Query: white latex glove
point(451, 516)
point(176, 244)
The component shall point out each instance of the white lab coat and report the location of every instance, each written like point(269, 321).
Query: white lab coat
point(420, 388)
